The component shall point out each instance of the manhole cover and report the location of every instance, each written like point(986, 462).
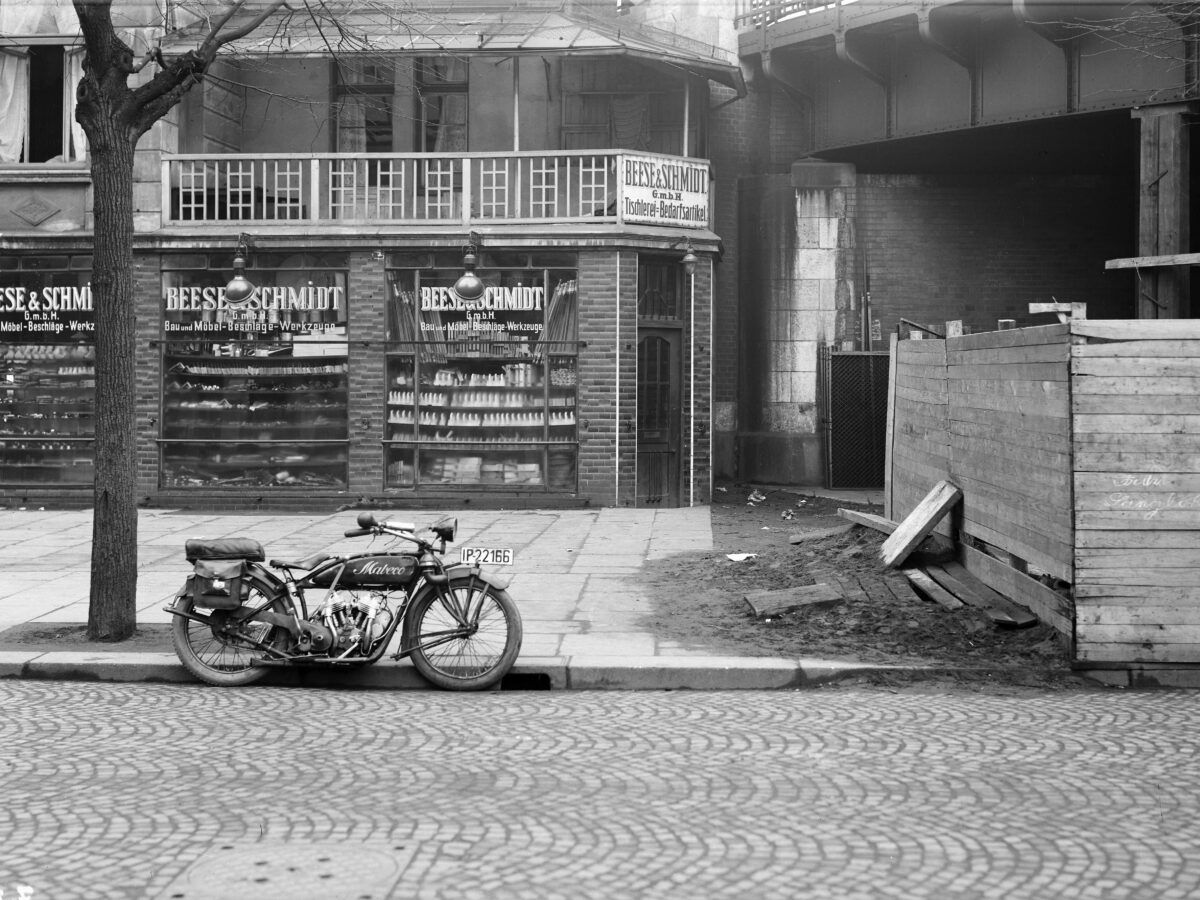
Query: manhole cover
point(291, 871)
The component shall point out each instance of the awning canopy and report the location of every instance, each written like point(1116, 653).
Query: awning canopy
point(475, 27)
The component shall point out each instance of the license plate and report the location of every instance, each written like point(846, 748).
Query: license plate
point(487, 556)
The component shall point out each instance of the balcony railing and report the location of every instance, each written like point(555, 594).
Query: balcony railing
point(399, 189)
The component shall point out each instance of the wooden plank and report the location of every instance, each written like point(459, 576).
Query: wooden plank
point(1016, 337)
point(1039, 406)
point(1135, 349)
point(1126, 367)
point(1144, 578)
point(901, 588)
point(1050, 465)
point(1007, 422)
point(1088, 458)
point(1118, 520)
point(1066, 312)
point(1136, 596)
point(932, 383)
point(1124, 614)
point(1046, 603)
point(1130, 633)
point(1137, 329)
point(1143, 558)
point(1134, 540)
point(1102, 384)
point(1053, 442)
point(923, 347)
point(1135, 425)
point(1134, 653)
point(929, 588)
point(819, 534)
point(1058, 352)
point(1054, 557)
point(890, 432)
point(1139, 482)
point(1150, 262)
point(1029, 371)
point(1012, 387)
point(1133, 404)
point(879, 523)
point(919, 523)
point(1052, 510)
point(915, 396)
point(802, 598)
point(970, 590)
point(1141, 443)
point(1007, 471)
point(1180, 507)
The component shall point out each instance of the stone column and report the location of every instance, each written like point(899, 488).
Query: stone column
point(797, 294)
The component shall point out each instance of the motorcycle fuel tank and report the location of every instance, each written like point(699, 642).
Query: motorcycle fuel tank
point(383, 569)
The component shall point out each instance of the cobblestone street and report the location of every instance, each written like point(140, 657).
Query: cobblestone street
point(184, 792)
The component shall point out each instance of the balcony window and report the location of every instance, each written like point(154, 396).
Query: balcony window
point(40, 69)
point(401, 105)
point(442, 103)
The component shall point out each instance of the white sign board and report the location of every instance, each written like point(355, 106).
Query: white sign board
point(664, 190)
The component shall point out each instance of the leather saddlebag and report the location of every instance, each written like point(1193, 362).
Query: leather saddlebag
point(219, 583)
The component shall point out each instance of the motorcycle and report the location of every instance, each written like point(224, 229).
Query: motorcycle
point(235, 617)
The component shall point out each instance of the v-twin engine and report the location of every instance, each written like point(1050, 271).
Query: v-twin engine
point(347, 624)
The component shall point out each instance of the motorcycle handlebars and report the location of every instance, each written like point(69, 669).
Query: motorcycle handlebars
point(368, 524)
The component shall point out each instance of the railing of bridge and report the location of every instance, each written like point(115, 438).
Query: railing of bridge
point(760, 13)
point(427, 188)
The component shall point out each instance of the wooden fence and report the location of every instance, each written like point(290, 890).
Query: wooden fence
point(1077, 449)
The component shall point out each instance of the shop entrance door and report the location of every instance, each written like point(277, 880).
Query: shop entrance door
point(658, 417)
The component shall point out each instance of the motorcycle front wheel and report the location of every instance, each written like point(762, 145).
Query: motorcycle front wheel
point(463, 637)
point(223, 650)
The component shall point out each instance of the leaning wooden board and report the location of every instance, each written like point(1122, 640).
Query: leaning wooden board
point(919, 523)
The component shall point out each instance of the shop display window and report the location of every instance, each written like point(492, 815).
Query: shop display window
point(484, 394)
point(255, 394)
point(47, 372)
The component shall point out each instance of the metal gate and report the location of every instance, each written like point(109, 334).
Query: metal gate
point(855, 392)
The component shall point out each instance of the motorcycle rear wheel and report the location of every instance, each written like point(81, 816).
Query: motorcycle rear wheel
point(222, 652)
point(455, 658)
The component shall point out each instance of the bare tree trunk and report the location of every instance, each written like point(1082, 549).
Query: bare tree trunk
point(113, 608)
point(115, 116)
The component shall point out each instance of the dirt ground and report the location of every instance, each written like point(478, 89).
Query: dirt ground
point(874, 624)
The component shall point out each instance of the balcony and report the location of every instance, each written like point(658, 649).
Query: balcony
point(460, 190)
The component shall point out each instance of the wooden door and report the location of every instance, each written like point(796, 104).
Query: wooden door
point(658, 416)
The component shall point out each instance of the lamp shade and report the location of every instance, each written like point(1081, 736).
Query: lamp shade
point(240, 288)
point(469, 286)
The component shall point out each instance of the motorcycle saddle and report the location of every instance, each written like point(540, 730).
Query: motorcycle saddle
point(224, 548)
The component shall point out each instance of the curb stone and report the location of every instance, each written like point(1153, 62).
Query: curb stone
point(577, 673)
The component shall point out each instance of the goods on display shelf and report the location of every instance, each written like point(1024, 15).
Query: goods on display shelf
point(250, 416)
point(47, 414)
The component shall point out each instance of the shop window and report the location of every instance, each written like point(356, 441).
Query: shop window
point(41, 66)
point(255, 395)
point(483, 395)
point(47, 373)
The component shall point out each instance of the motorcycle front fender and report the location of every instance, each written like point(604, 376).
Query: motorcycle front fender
point(499, 582)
